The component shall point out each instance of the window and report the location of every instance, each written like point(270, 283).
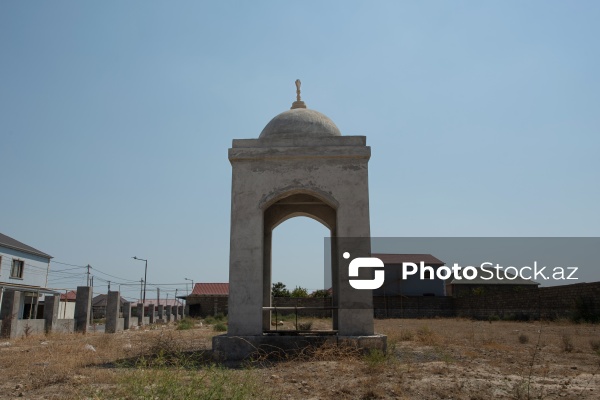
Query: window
point(17, 269)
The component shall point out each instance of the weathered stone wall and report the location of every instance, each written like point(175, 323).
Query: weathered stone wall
point(26, 327)
point(413, 306)
point(569, 301)
point(203, 306)
point(578, 301)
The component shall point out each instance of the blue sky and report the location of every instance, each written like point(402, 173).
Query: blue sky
point(116, 117)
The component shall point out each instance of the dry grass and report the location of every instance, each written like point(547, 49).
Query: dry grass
point(426, 359)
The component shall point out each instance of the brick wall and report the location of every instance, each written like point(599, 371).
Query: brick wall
point(413, 306)
point(568, 301)
point(203, 306)
point(580, 300)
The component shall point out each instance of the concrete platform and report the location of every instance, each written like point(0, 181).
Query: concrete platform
point(235, 348)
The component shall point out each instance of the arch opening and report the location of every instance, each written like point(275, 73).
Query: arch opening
point(319, 309)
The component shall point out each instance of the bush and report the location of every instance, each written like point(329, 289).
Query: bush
point(595, 345)
point(406, 335)
point(523, 339)
point(184, 324)
point(220, 327)
point(567, 343)
point(219, 316)
point(305, 326)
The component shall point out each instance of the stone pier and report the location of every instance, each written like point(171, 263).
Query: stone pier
point(83, 307)
point(169, 312)
point(51, 304)
point(140, 314)
point(160, 315)
point(9, 312)
point(126, 315)
point(151, 313)
point(113, 301)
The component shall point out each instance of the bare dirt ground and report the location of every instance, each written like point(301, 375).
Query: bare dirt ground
point(426, 359)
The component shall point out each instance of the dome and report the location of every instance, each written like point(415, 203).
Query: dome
point(300, 122)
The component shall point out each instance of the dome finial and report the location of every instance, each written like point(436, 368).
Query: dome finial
point(298, 103)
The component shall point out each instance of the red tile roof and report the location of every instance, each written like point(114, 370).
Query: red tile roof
point(204, 289)
point(413, 258)
point(69, 296)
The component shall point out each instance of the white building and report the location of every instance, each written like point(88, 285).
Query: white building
point(24, 269)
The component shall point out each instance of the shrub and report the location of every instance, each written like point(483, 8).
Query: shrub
point(220, 327)
point(595, 345)
point(493, 318)
point(184, 324)
point(219, 316)
point(305, 326)
point(375, 358)
point(567, 343)
point(523, 339)
point(406, 335)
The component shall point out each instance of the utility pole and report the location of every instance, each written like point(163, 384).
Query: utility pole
point(158, 295)
point(88, 274)
point(109, 286)
point(175, 297)
point(141, 288)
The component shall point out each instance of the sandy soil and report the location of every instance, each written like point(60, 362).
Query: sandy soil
point(426, 359)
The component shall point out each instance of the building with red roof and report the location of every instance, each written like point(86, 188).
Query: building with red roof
point(207, 299)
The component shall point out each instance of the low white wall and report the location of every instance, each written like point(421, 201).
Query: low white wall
point(66, 310)
point(30, 327)
point(65, 325)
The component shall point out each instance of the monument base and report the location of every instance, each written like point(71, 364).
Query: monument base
point(235, 348)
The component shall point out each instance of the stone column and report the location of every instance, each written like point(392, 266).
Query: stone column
point(169, 312)
point(126, 315)
point(175, 316)
point(160, 317)
point(51, 303)
point(140, 314)
point(83, 307)
point(113, 301)
point(151, 313)
point(9, 312)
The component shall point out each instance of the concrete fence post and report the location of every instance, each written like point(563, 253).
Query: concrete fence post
point(160, 316)
point(140, 314)
point(126, 315)
point(151, 313)
point(9, 311)
point(169, 313)
point(175, 316)
point(113, 301)
point(83, 307)
point(51, 303)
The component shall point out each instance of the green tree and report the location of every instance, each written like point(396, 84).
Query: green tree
point(321, 293)
point(279, 290)
point(299, 292)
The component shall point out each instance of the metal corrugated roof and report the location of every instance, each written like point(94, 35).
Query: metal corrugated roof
point(208, 289)
point(11, 243)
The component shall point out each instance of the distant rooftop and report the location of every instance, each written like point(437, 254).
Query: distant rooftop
point(428, 259)
point(7, 241)
point(210, 289)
